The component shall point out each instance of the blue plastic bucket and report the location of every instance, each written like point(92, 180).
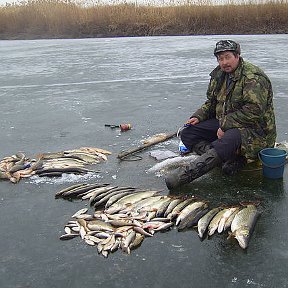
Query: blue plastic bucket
point(273, 162)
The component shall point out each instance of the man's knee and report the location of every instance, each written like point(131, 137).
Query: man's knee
point(228, 145)
point(189, 137)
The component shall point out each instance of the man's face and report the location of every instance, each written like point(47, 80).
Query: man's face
point(228, 61)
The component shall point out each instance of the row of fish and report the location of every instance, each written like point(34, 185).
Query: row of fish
point(75, 161)
point(124, 216)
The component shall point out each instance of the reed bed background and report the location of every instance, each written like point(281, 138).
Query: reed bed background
point(35, 19)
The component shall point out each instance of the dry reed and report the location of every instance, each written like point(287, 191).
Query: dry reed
point(68, 19)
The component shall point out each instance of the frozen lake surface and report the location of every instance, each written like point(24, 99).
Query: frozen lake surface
point(59, 94)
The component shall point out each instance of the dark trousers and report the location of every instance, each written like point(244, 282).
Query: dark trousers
point(226, 147)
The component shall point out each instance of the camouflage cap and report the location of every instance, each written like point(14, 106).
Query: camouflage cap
point(227, 45)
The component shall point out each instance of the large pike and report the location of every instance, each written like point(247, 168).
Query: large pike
point(243, 225)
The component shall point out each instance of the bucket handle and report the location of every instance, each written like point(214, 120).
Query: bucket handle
point(273, 166)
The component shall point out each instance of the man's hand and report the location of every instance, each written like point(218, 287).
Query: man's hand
point(220, 133)
point(192, 121)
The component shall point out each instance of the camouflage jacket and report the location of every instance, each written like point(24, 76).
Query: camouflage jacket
point(245, 103)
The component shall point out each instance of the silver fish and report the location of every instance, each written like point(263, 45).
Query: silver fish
point(116, 197)
point(127, 241)
point(79, 212)
point(68, 236)
point(99, 225)
point(204, 221)
point(139, 238)
point(171, 206)
point(179, 207)
point(193, 217)
point(95, 239)
point(98, 191)
point(186, 211)
point(146, 204)
point(75, 229)
point(171, 163)
point(89, 242)
point(213, 225)
point(230, 219)
point(109, 244)
point(82, 232)
point(129, 200)
point(84, 216)
point(103, 198)
point(67, 230)
point(116, 245)
point(163, 207)
point(142, 231)
point(164, 226)
point(224, 218)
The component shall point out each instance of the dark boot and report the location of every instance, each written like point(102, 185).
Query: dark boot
point(197, 168)
point(202, 147)
point(231, 167)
